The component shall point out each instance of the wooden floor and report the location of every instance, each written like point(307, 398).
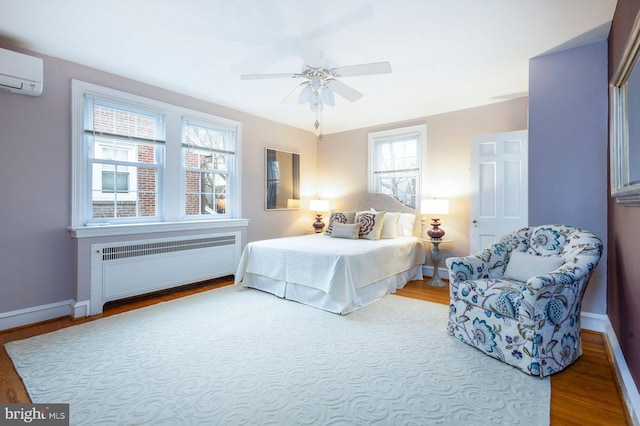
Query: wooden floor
point(584, 394)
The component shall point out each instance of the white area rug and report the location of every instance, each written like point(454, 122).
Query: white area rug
point(239, 356)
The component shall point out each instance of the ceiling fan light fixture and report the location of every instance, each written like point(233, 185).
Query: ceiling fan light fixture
point(305, 95)
point(321, 83)
point(327, 96)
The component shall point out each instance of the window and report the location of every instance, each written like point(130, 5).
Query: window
point(395, 163)
point(208, 157)
point(113, 181)
point(136, 160)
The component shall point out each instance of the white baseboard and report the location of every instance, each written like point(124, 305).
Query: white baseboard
point(628, 387)
point(80, 309)
point(593, 322)
point(630, 395)
point(41, 313)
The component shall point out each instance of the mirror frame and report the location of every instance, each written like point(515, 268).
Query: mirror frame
point(266, 180)
point(622, 190)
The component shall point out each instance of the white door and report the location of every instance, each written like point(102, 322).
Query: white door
point(499, 187)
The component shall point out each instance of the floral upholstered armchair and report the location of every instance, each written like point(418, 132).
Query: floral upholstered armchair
point(519, 299)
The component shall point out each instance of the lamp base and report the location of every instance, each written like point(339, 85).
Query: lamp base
point(318, 224)
point(435, 233)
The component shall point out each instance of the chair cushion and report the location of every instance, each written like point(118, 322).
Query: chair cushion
point(523, 266)
point(501, 296)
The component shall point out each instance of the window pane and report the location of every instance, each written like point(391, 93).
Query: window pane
point(110, 119)
point(124, 191)
point(196, 136)
point(105, 148)
point(402, 188)
point(205, 193)
point(397, 155)
point(147, 191)
point(201, 159)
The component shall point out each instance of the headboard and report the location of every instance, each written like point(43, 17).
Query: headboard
point(379, 202)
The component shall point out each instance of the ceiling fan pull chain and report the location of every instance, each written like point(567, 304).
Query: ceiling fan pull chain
point(320, 136)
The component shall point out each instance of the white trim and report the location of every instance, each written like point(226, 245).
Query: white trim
point(593, 322)
point(81, 309)
point(35, 314)
point(148, 228)
point(629, 390)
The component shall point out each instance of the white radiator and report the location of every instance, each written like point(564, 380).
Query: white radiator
point(130, 268)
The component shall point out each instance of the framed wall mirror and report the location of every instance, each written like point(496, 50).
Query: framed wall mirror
point(282, 180)
point(624, 126)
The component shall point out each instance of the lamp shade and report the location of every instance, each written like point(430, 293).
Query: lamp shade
point(434, 206)
point(319, 205)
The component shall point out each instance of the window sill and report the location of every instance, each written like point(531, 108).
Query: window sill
point(148, 228)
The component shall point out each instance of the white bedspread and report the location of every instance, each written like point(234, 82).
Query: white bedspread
point(331, 265)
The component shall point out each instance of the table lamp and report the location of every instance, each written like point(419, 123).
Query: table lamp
point(435, 208)
point(319, 206)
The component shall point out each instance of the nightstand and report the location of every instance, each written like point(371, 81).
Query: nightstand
point(436, 257)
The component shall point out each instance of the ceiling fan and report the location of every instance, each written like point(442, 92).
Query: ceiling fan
point(321, 79)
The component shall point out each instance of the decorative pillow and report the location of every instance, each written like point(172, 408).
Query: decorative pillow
point(370, 224)
point(405, 225)
point(390, 225)
point(340, 217)
point(523, 266)
point(344, 230)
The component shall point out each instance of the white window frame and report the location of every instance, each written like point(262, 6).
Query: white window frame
point(171, 194)
point(420, 131)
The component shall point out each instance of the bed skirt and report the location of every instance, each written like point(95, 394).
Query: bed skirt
point(339, 304)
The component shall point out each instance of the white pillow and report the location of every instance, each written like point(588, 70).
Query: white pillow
point(390, 225)
point(405, 225)
point(344, 230)
point(523, 266)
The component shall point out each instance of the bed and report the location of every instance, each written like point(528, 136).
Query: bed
point(339, 275)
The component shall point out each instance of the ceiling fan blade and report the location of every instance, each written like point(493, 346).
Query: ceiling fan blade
point(264, 76)
point(311, 54)
point(362, 69)
point(343, 90)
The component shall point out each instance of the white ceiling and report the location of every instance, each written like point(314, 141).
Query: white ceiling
point(445, 55)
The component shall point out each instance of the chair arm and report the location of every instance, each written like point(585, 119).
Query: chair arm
point(464, 268)
point(487, 263)
point(569, 272)
point(566, 285)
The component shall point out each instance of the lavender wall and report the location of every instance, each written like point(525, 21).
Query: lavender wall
point(623, 291)
point(36, 252)
point(568, 109)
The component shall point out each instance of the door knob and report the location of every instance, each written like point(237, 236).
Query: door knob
point(475, 223)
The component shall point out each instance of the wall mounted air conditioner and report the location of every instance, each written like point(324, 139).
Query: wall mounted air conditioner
point(20, 73)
